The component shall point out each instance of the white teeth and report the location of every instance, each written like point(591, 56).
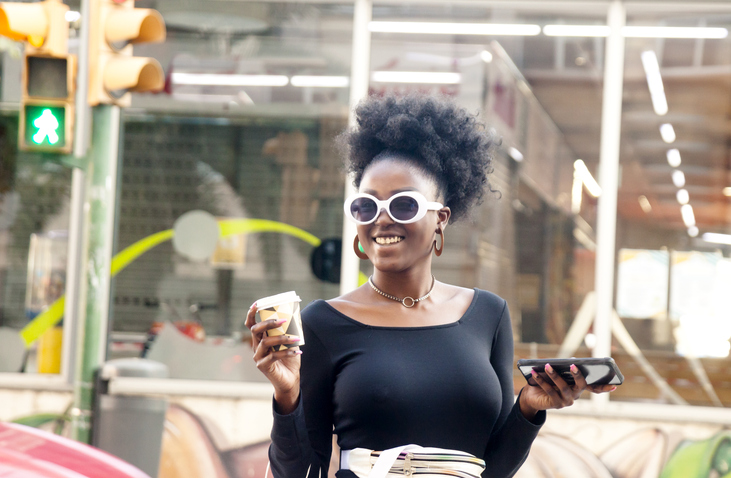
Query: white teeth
point(388, 240)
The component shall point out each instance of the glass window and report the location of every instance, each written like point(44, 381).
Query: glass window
point(673, 254)
point(246, 133)
point(34, 216)
point(532, 241)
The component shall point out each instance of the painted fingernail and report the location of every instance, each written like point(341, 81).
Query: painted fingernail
point(281, 321)
point(549, 369)
point(574, 368)
point(613, 389)
point(534, 373)
point(296, 352)
point(294, 339)
point(252, 305)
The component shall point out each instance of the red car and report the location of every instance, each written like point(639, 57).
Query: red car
point(27, 452)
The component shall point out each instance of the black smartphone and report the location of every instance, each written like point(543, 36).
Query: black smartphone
point(596, 371)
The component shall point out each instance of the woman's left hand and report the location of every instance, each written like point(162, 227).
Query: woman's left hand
point(553, 391)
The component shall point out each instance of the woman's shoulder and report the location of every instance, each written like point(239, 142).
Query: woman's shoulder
point(486, 308)
point(319, 313)
point(316, 308)
point(489, 299)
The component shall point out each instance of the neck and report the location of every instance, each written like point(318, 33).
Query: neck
point(402, 284)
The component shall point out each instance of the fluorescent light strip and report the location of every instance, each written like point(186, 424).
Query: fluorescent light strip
point(216, 79)
point(576, 30)
point(591, 185)
point(577, 191)
point(659, 104)
point(320, 81)
point(727, 191)
point(439, 28)
point(635, 31)
point(645, 204)
point(515, 154)
point(678, 178)
point(654, 82)
point(688, 217)
point(427, 77)
point(673, 156)
point(486, 56)
point(717, 238)
point(667, 132)
point(72, 15)
point(682, 196)
point(673, 32)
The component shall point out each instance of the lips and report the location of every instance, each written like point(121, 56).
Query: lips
point(387, 240)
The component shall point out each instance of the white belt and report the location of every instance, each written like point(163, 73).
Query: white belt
point(411, 460)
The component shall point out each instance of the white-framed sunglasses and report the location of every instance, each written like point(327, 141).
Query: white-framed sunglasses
point(404, 208)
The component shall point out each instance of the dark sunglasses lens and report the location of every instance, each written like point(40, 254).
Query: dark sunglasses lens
point(404, 208)
point(363, 209)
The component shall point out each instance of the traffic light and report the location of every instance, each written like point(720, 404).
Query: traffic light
point(47, 104)
point(113, 72)
point(48, 74)
point(42, 25)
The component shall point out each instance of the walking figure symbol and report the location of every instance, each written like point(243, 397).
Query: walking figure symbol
point(47, 125)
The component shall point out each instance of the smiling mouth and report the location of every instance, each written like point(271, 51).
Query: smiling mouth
point(388, 240)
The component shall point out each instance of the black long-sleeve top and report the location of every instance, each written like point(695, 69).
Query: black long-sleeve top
point(447, 386)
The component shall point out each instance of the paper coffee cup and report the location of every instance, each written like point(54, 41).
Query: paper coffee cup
point(282, 306)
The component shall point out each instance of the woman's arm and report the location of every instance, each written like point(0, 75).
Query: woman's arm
point(513, 433)
point(302, 437)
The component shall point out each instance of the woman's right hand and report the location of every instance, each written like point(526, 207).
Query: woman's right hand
point(282, 368)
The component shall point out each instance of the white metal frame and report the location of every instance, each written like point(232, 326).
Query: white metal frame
point(360, 69)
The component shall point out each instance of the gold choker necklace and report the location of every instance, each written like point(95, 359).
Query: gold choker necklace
point(407, 302)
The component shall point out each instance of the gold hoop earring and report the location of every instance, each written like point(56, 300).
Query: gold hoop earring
point(357, 248)
point(438, 250)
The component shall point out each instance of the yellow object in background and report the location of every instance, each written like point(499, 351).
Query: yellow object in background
point(50, 344)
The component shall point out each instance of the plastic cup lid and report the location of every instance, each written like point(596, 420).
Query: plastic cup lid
point(278, 299)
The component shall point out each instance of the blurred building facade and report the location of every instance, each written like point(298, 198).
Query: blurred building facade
point(257, 93)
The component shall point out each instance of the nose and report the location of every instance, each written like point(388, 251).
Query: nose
point(383, 217)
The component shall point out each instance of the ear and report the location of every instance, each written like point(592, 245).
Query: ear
point(443, 216)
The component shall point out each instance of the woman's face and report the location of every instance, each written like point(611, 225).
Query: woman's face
point(391, 246)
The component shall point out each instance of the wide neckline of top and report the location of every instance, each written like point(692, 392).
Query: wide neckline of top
point(472, 305)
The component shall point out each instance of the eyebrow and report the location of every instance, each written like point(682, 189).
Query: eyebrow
point(395, 191)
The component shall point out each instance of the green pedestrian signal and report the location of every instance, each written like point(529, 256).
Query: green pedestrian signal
point(45, 127)
point(47, 103)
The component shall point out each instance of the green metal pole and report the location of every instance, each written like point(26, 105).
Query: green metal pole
point(100, 208)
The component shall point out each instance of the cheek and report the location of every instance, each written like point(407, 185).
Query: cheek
point(423, 235)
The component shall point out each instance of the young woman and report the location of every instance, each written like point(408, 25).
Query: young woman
point(406, 359)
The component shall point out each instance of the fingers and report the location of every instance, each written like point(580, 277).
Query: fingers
point(581, 384)
point(566, 392)
point(579, 380)
point(264, 347)
point(601, 388)
point(251, 316)
point(547, 388)
point(265, 362)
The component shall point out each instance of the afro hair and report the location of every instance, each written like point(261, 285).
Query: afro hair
point(442, 139)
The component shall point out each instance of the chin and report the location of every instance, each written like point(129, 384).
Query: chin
point(388, 265)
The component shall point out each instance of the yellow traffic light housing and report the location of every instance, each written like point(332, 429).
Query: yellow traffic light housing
point(42, 25)
point(113, 71)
